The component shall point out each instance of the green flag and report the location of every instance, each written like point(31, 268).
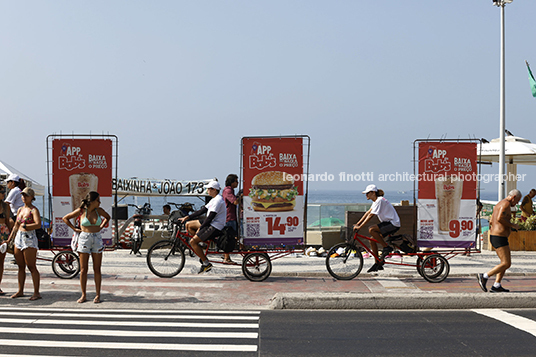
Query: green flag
point(532, 81)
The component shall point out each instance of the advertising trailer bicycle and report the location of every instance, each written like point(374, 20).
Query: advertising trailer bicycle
point(80, 163)
point(446, 192)
point(77, 164)
point(272, 213)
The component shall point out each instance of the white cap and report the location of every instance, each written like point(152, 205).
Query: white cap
point(370, 188)
point(3, 248)
point(13, 177)
point(214, 185)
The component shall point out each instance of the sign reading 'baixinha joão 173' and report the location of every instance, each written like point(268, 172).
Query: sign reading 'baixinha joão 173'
point(153, 187)
point(447, 194)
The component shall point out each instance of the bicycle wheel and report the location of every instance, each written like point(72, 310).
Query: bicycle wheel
point(256, 266)
point(435, 268)
point(66, 265)
point(165, 259)
point(344, 261)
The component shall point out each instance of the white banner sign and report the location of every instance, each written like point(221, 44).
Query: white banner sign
point(155, 187)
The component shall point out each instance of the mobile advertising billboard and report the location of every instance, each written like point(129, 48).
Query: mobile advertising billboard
point(78, 167)
point(273, 204)
point(447, 194)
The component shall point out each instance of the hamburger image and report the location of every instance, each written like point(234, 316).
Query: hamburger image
point(273, 191)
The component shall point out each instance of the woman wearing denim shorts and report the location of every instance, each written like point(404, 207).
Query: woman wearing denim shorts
point(92, 220)
point(28, 220)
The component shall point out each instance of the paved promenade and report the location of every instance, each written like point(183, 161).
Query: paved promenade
point(296, 282)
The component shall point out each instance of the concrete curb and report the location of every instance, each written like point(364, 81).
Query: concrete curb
point(375, 275)
point(396, 301)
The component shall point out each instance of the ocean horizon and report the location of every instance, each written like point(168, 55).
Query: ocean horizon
point(314, 197)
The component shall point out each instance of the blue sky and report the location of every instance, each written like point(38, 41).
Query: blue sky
point(180, 82)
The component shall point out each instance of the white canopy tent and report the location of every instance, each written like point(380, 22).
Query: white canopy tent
point(6, 170)
point(518, 151)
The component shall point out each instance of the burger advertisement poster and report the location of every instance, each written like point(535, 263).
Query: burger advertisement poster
point(447, 194)
point(273, 191)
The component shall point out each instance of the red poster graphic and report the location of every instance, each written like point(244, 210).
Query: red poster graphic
point(273, 190)
point(447, 194)
point(80, 166)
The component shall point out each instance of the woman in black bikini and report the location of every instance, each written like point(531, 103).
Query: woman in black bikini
point(92, 220)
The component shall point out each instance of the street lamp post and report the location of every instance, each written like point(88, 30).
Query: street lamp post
point(502, 126)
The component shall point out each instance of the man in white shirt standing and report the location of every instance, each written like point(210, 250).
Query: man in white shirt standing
point(389, 223)
point(14, 198)
point(211, 226)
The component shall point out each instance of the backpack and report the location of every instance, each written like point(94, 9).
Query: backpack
point(226, 242)
point(404, 242)
point(43, 239)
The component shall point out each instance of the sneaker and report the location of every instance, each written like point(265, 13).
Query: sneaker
point(380, 266)
point(500, 289)
point(205, 268)
point(482, 281)
point(375, 267)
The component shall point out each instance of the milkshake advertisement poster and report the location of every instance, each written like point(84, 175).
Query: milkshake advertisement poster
point(273, 191)
point(80, 166)
point(447, 194)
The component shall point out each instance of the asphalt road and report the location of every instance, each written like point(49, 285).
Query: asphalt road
point(104, 332)
point(396, 333)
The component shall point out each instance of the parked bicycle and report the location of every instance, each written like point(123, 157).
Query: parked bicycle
point(136, 239)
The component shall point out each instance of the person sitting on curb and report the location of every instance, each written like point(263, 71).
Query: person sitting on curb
point(211, 226)
point(389, 223)
point(526, 205)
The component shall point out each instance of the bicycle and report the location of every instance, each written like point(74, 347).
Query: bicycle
point(136, 239)
point(345, 260)
point(166, 258)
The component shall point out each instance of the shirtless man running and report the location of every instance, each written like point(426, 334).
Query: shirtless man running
point(500, 227)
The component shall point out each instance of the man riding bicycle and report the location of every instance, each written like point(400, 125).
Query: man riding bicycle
point(389, 223)
point(211, 226)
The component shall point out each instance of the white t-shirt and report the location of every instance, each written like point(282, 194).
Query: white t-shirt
point(14, 198)
point(385, 211)
point(217, 204)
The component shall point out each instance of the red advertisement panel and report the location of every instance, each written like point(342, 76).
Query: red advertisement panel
point(447, 194)
point(273, 190)
point(80, 166)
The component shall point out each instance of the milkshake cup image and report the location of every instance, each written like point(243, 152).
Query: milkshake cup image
point(80, 185)
point(449, 196)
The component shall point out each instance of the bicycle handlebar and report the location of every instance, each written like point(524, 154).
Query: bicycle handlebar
point(179, 205)
point(146, 207)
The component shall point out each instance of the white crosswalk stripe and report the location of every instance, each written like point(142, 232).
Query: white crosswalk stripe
point(33, 331)
point(519, 322)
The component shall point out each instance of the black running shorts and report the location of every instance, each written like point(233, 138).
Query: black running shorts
point(387, 228)
point(207, 233)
